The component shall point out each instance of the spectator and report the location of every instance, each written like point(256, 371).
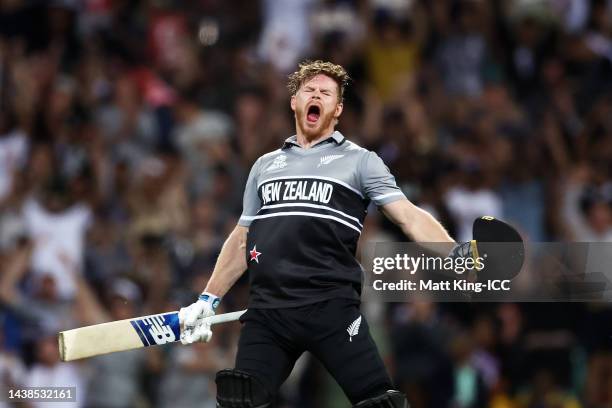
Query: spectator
point(462, 56)
point(47, 371)
point(57, 227)
point(286, 33)
point(203, 140)
point(13, 154)
point(470, 199)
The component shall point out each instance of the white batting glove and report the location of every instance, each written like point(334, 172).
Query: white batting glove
point(192, 318)
point(201, 332)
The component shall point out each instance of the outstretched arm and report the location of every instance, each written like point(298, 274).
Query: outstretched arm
point(378, 184)
point(421, 226)
point(415, 222)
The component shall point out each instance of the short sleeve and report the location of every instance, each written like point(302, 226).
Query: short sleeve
point(377, 182)
point(250, 201)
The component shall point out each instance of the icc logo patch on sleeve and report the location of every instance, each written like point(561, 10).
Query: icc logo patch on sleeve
point(278, 163)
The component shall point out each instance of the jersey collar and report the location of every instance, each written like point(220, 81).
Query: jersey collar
point(335, 137)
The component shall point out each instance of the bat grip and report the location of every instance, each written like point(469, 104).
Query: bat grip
point(226, 317)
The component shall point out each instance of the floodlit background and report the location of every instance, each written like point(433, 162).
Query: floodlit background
point(127, 129)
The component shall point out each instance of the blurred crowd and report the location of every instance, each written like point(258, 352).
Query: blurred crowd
point(128, 127)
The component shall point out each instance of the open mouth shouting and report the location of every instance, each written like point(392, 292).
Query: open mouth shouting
point(313, 114)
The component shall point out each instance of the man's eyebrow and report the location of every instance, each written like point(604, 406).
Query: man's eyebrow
point(310, 87)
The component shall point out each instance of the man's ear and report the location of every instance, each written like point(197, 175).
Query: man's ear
point(338, 111)
point(293, 103)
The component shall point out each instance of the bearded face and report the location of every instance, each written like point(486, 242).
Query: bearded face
point(316, 106)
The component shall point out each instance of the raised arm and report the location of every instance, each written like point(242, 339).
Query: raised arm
point(14, 266)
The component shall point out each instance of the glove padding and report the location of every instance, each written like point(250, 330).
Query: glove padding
point(200, 332)
point(193, 319)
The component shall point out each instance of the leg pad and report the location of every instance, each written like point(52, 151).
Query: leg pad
point(239, 389)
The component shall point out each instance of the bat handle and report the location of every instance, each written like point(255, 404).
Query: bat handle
point(226, 317)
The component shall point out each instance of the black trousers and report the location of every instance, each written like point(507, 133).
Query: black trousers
point(271, 340)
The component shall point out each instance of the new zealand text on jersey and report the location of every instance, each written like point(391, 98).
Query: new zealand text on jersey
point(308, 190)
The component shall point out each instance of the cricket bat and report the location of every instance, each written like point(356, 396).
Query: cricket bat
point(128, 334)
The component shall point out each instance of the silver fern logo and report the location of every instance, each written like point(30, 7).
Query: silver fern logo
point(330, 158)
point(353, 329)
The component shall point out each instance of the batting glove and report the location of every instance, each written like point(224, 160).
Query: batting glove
point(201, 332)
point(467, 249)
point(193, 318)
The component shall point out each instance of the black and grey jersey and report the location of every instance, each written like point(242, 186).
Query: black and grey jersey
point(305, 210)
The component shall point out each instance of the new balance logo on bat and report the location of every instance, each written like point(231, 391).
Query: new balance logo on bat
point(158, 329)
point(330, 158)
point(353, 329)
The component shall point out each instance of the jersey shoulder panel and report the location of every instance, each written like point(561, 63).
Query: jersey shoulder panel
point(350, 146)
point(357, 153)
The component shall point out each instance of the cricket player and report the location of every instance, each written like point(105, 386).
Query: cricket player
point(303, 212)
